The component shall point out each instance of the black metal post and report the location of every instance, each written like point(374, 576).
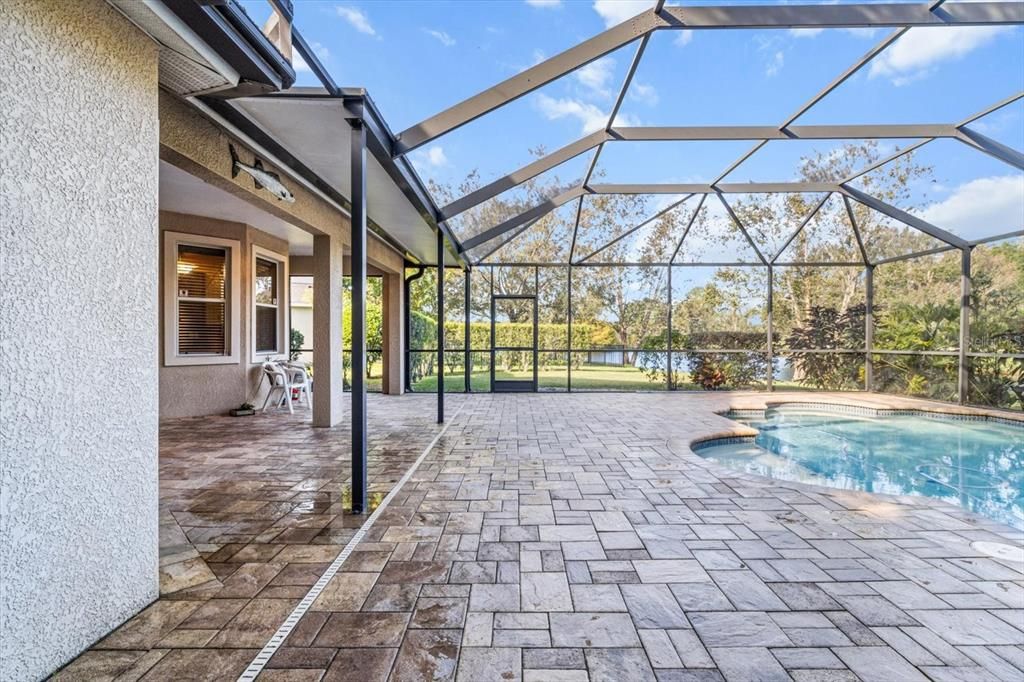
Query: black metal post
point(671, 383)
point(568, 313)
point(468, 357)
point(440, 327)
point(536, 323)
point(869, 327)
point(965, 325)
point(771, 330)
point(494, 356)
point(358, 160)
point(407, 309)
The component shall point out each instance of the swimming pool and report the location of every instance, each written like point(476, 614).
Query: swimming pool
point(978, 465)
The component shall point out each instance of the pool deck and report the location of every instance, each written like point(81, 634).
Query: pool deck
point(565, 537)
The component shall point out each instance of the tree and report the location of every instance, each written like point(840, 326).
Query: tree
point(614, 304)
point(374, 321)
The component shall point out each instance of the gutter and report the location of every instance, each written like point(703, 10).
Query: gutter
point(238, 43)
point(219, 64)
point(241, 21)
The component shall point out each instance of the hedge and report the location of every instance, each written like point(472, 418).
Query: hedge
point(549, 336)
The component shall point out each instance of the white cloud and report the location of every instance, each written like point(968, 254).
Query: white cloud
point(805, 32)
point(683, 38)
point(622, 119)
point(433, 156)
point(981, 208)
point(1008, 118)
point(436, 156)
point(596, 75)
point(544, 3)
point(591, 118)
point(300, 64)
point(775, 65)
point(617, 11)
point(441, 36)
point(644, 93)
point(356, 18)
point(911, 57)
point(863, 32)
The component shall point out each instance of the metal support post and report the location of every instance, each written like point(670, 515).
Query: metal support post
point(965, 324)
point(668, 372)
point(568, 312)
point(440, 327)
point(468, 356)
point(770, 307)
point(869, 328)
point(359, 450)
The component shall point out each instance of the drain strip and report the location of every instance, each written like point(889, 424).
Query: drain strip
point(275, 642)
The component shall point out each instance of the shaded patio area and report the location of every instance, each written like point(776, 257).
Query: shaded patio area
point(241, 490)
point(251, 516)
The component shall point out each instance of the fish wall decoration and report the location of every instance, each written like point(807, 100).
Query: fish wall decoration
point(262, 179)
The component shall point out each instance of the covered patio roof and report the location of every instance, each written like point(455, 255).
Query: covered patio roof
point(309, 130)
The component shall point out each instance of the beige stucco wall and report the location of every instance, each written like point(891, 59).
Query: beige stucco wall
point(188, 391)
point(191, 142)
point(78, 328)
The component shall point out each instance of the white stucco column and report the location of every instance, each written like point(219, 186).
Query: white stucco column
point(327, 365)
point(394, 344)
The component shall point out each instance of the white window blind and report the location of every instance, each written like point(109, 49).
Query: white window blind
point(202, 282)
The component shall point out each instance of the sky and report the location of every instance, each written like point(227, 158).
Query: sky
point(418, 58)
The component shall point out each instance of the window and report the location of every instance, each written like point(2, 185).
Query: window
point(300, 311)
point(269, 304)
point(201, 300)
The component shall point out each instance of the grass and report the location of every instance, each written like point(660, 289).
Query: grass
point(552, 377)
point(555, 378)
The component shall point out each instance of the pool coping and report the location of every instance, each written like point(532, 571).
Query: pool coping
point(739, 433)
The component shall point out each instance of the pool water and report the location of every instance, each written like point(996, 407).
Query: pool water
point(977, 465)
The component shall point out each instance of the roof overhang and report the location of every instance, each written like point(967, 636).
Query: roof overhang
point(309, 131)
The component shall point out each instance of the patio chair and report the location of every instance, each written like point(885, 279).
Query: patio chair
point(279, 380)
point(300, 383)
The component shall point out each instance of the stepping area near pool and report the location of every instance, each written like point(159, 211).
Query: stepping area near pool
point(557, 537)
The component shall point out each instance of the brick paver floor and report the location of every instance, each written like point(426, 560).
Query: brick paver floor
point(251, 516)
point(576, 537)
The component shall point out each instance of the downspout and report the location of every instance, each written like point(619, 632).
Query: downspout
point(407, 327)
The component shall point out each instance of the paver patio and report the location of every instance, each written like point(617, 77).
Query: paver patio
point(573, 537)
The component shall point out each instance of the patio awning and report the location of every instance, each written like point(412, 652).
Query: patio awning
point(309, 130)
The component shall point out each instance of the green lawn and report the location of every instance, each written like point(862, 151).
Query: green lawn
point(552, 377)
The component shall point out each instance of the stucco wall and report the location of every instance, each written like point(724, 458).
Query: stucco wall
point(78, 329)
point(189, 391)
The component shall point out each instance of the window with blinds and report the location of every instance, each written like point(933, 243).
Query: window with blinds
point(267, 294)
point(202, 290)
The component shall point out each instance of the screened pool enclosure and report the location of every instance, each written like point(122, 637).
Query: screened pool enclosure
point(799, 253)
point(868, 236)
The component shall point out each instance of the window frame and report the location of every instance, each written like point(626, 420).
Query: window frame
point(283, 337)
point(232, 299)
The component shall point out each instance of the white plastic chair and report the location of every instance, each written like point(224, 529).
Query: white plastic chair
point(298, 380)
point(279, 381)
